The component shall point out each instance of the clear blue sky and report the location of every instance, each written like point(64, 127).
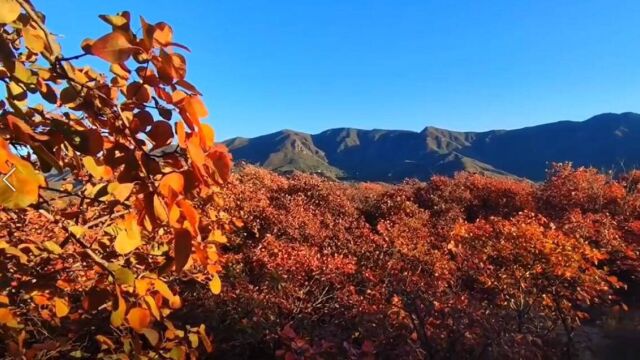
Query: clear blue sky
point(264, 65)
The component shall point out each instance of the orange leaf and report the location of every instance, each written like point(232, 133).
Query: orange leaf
point(195, 108)
point(62, 307)
point(171, 182)
point(191, 214)
point(195, 152)
point(163, 34)
point(139, 318)
point(221, 160)
point(113, 47)
point(182, 135)
point(206, 136)
point(7, 318)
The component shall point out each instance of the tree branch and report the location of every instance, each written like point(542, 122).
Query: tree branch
point(95, 257)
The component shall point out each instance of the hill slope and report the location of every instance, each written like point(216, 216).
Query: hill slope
point(604, 141)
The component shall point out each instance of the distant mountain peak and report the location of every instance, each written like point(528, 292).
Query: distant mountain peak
point(602, 141)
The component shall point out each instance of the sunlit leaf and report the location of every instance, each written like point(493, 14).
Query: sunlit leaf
point(129, 238)
point(24, 179)
point(120, 191)
point(61, 307)
point(96, 168)
point(118, 313)
point(113, 47)
point(171, 182)
point(7, 318)
point(215, 285)
point(139, 318)
point(9, 11)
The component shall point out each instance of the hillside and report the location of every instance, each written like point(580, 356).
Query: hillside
point(606, 141)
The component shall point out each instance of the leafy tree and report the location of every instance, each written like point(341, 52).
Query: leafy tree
point(100, 251)
point(462, 267)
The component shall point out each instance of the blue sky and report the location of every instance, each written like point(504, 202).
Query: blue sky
point(309, 65)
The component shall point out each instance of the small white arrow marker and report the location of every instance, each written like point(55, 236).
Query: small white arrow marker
point(7, 182)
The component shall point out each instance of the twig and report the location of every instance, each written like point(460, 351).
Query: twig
point(105, 218)
point(73, 57)
point(97, 259)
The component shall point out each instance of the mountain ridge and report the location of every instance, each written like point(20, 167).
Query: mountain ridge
point(603, 141)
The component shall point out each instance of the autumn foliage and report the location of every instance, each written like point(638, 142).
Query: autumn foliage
point(89, 267)
point(121, 257)
point(463, 267)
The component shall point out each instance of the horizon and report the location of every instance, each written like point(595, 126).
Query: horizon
point(404, 65)
point(426, 126)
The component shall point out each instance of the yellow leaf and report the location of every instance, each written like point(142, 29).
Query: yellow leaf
point(9, 11)
point(97, 169)
point(34, 39)
point(52, 247)
point(177, 353)
point(142, 286)
point(215, 285)
point(120, 191)
point(163, 289)
point(77, 230)
point(217, 236)
point(153, 307)
point(24, 179)
point(62, 307)
point(124, 276)
point(97, 191)
point(193, 339)
point(205, 339)
point(16, 252)
point(160, 209)
point(139, 318)
point(174, 215)
point(4, 300)
point(128, 239)
point(117, 315)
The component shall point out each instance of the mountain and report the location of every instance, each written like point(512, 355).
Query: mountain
point(606, 141)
